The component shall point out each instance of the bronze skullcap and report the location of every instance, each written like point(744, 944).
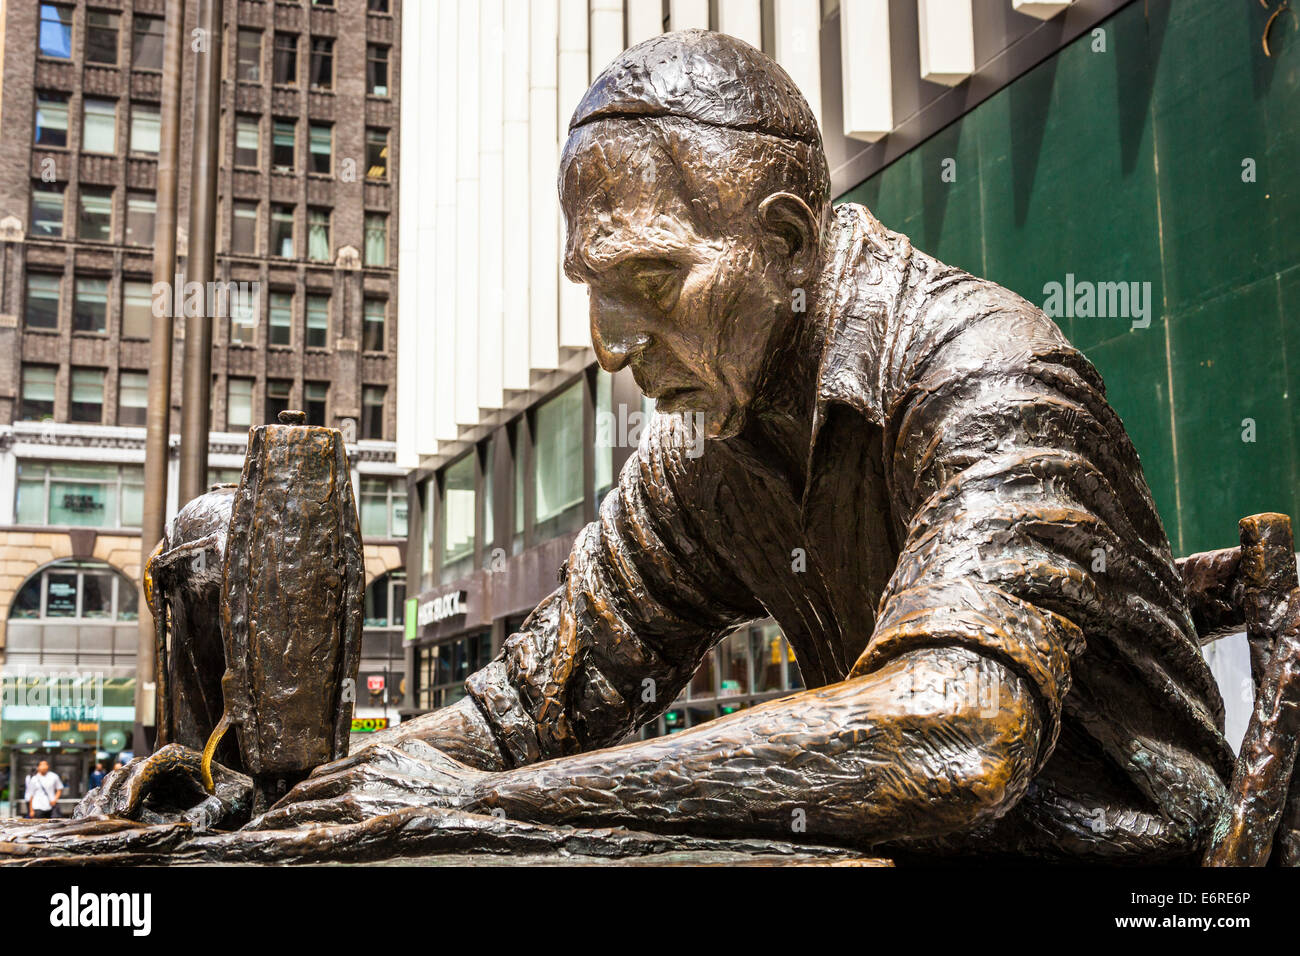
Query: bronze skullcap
point(708, 77)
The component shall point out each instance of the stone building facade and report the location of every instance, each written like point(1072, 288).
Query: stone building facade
point(307, 226)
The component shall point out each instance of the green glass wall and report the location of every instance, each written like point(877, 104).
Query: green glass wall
point(1126, 164)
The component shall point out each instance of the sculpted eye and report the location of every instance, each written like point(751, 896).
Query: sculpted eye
point(657, 280)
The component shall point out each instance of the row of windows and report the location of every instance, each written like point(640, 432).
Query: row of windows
point(95, 223)
point(94, 213)
point(84, 494)
point(549, 456)
point(102, 29)
point(320, 147)
point(320, 74)
point(90, 312)
point(86, 399)
point(54, 38)
point(98, 124)
point(277, 398)
point(99, 135)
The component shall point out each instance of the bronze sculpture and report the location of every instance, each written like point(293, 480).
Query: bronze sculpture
point(908, 467)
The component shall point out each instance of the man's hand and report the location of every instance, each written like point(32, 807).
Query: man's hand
point(376, 780)
point(167, 787)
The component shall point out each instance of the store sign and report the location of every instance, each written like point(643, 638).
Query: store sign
point(375, 683)
point(441, 608)
point(368, 725)
point(412, 610)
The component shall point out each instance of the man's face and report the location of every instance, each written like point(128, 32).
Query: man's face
point(43, 767)
point(689, 304)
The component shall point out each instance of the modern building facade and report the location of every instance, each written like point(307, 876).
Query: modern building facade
point(1143, 144)
point(310, 101)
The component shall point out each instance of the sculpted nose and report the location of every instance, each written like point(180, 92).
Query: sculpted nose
point(617, 332)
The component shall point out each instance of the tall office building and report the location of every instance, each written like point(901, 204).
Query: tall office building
point(310, 100)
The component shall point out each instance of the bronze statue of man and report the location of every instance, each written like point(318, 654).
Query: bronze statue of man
point(908, 467)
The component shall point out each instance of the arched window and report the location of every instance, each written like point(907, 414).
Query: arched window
point(70, 591)
point(386, 600)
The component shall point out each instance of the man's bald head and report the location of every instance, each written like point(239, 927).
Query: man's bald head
point(764, 137)
point(695, 196)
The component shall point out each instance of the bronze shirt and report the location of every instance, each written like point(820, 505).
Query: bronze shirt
point(965, 475)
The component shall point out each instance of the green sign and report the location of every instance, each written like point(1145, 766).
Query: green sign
point(411, 606)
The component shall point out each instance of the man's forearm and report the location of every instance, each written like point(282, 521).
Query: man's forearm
point(459, 730)
point(932, 743)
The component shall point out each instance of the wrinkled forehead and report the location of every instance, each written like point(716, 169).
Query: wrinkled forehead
point(619, 186)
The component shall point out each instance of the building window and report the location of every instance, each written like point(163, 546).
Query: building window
point(518, 477)
point(315, 401)
point(247, 141)
point(442, 669)
point(132, 398)
point(52, 119)
point(101, 37)
point(95, 215)
point(383, 507)
point(147, 43)
point(281, 319)
point(285, 66)
point(277, 398)
point(559, 456)
point(376, 69)
point(55, 39)
point(141, 211)
point(68, 591)
point(318, 234)
point(249, 56)
point(42, 300)
point(386, 601)
point(322, 3)
point(243, 320)
point(87, 399)
point(239, 403)
point(376, 239)
point(282, 231)
point(376, 153)
point(318, 321)
point(145, 128)
point(137, 309)
point(322, 63)
point(99, 126)
point(282, 146)
point(243, 231)
point(80, 494)
point(458, 516)
point(606, 435)
point(321, 146)
point(38, 394)
point(90, 306)
point(372, 412)
point(377, 6)
point(375, 321)
point(47, 211)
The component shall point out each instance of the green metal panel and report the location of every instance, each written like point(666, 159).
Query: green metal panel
point(1125, 164)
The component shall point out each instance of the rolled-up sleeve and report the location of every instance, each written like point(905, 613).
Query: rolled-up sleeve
point(1026, 522)
point(642, 599)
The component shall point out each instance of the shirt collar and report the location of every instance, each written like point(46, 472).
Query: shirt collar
point(858, 293)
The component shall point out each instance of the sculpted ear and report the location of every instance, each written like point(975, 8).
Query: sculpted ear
point(787, 219)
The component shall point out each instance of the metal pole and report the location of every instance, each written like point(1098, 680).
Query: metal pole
point(158, 417)
point(200, 263)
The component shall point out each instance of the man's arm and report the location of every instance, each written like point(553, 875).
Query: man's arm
point(642, 600)
point(910, 750)
point(1003, 468)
